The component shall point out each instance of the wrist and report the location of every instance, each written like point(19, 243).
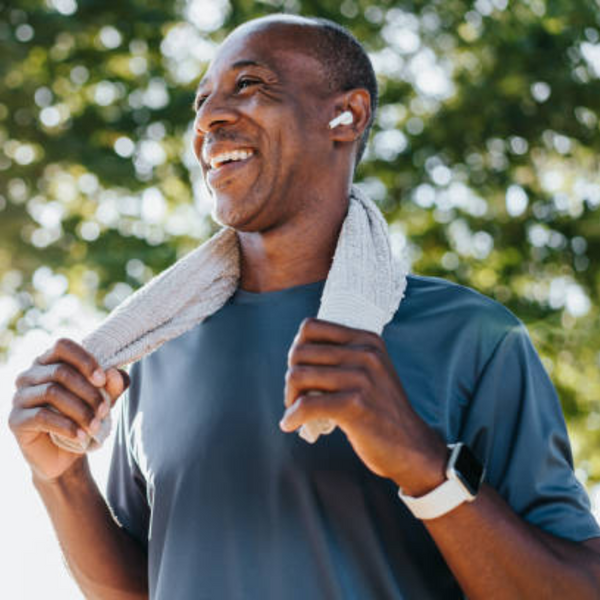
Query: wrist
point(424, 472)
point(463, 477)
point(73, 475)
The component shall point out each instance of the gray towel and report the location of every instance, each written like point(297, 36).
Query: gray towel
point(363, 290)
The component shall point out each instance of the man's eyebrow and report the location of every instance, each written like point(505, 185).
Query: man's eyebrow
point(240, 64)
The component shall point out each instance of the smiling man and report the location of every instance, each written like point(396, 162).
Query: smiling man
point(213, 494)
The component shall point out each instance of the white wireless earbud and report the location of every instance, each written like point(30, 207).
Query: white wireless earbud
point(344, 119)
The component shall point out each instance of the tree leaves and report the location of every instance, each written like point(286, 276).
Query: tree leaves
point(483, 157)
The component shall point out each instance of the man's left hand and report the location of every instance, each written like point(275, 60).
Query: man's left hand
point(361, 392)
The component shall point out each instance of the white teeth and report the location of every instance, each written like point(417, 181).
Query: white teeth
point(218, 159)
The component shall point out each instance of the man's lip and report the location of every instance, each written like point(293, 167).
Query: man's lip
point(210, 153)
point(227, 170)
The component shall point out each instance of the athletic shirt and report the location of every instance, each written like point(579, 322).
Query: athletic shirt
point(230, 507)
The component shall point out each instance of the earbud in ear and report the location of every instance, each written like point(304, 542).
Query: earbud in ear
point(344, 119)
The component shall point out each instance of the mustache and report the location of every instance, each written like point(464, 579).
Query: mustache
point(222, 135)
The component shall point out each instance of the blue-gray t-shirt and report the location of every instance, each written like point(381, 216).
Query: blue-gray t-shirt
point(230, 507)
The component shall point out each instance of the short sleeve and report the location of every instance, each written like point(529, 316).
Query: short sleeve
point(126, 486)
point(514, 423)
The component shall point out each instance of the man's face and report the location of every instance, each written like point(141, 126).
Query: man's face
point(260, 129)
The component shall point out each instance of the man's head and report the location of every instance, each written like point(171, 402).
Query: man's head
point(262, 113)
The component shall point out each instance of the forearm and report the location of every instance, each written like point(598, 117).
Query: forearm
point(105, 561)
point(492, 552)
point(495, 554)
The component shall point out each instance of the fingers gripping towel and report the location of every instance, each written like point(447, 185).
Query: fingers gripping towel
point(363, 289)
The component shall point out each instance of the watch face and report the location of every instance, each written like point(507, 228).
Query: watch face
point(468, 469)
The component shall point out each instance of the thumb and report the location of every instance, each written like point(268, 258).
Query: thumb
point(117, 381)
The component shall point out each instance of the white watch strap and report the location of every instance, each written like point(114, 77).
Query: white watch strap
point(438, 502)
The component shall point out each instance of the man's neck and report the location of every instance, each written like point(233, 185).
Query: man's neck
point(298, 253)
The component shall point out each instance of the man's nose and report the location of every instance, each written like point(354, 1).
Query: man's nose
point(213, 112)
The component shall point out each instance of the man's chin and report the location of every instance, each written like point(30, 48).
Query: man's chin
point(229, 212)
point(241, 205)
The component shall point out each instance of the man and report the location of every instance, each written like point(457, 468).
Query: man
point(213, 499)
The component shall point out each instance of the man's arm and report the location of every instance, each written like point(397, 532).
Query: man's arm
point(495, 554)
point(492, 552)
point(104, 559)
point(59, 393)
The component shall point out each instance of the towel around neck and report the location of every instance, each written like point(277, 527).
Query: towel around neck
point(363, 290)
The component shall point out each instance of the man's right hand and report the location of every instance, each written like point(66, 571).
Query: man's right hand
point(67, 378)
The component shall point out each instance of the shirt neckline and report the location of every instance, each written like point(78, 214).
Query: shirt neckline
point(241, 296)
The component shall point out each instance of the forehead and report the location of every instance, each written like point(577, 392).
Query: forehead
point(284, 48)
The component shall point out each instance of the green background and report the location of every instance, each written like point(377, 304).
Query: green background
point(483, 158)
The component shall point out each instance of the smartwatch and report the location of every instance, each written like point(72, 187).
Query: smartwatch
point(464, 475)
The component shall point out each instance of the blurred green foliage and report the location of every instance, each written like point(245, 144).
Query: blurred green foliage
point(484, 155)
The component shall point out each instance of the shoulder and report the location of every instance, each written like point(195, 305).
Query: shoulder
point(451, 321)
point(457, 305)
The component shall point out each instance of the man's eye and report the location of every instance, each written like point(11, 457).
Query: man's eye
point(199, 102)
point(241, 84)
point(245, 82)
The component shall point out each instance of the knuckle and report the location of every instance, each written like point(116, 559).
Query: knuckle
point(42, 416)
point(61, 372)
point(307, 324)
point(292, 354)
point(12, 420)
point(86, 363)
point(62, 344)
point(355, 403)
point(372, 357)
point(295, 373)
point(52, 391)
point(17, 399)
point(292, 374)
point(295, 354)
point(22, 379)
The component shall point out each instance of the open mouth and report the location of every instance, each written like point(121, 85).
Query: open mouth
point(230, 157)
point(225, 166)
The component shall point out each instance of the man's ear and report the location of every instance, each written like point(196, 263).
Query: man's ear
point(358, 103)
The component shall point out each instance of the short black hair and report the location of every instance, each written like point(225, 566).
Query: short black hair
point(347, 66)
